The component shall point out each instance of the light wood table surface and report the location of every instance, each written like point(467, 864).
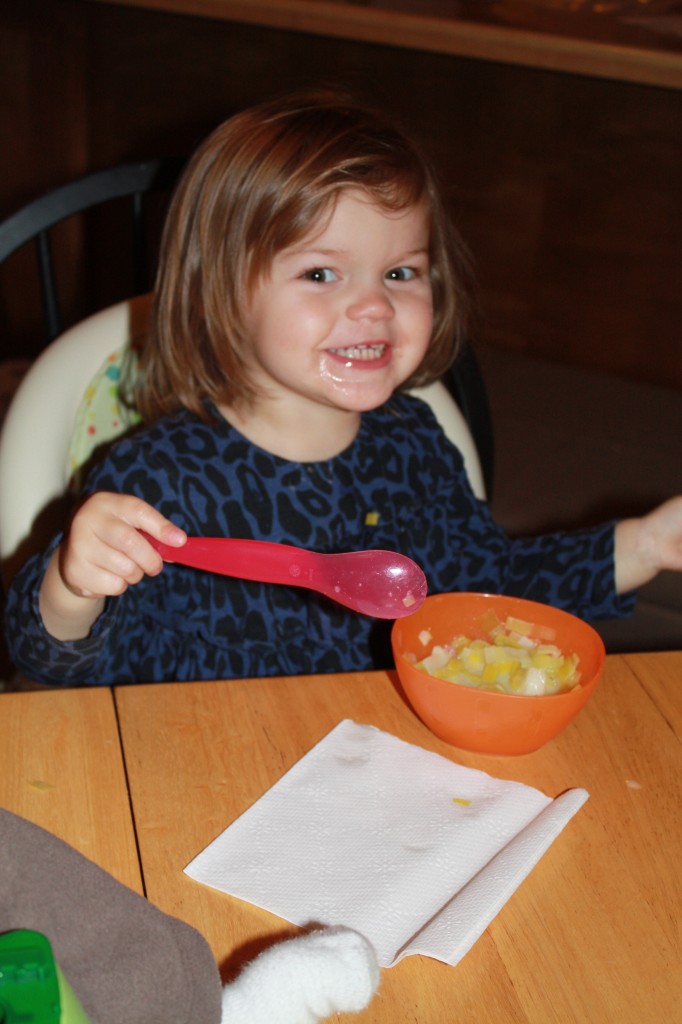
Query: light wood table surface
point(593, 933)
point(528, 35)
point(61, 766)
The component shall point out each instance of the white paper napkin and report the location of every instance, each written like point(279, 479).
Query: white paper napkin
point(416, 852)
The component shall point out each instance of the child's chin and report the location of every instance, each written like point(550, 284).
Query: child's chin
point(361, 397)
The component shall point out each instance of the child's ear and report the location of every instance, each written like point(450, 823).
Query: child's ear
point(304, 980)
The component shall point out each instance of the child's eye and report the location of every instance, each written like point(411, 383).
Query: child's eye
point(321, 275)
point(402, 274)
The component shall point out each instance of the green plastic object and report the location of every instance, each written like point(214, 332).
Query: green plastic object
point(33, 990)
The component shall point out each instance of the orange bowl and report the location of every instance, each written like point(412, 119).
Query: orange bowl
point(480, 720)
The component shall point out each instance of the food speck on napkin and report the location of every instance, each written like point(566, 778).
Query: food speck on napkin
point(415, 852)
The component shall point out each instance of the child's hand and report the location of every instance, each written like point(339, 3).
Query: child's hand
point(647, 545)
point(102, 554)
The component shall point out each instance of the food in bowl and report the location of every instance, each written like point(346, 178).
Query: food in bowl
point(504, 656)
point(489, 721)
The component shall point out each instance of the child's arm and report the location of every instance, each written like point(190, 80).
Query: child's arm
point(101, 555)
point(645, 546)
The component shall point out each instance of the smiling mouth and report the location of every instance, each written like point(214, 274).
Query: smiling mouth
point(363, 352)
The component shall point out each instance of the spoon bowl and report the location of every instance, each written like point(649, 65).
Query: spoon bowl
point(382, 584)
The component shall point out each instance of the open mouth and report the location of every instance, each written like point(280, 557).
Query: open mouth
point(365, 353)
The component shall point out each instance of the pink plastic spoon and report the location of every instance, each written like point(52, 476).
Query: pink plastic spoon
point(383, 584)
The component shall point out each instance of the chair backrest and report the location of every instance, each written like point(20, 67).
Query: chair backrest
point(465, 382)
point(37, 435)
point(455, 427)
point(33, 222)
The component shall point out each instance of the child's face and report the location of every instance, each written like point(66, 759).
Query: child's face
point(345, 315)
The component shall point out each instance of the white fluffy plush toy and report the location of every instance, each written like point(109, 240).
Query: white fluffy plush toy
point(304, 980)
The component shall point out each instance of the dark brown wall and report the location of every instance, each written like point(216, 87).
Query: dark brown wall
point(566, 188)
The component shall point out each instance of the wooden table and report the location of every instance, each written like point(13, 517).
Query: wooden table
point(593, 933)
point(62, 767)
point(646, 49)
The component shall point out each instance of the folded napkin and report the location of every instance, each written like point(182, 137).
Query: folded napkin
point(415, 852)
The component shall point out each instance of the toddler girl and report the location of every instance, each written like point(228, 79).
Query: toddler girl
point(308, 278)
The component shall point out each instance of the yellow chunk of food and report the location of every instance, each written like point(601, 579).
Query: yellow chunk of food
point(518, 626)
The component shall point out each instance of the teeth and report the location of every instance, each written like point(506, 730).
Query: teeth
point(360, 352)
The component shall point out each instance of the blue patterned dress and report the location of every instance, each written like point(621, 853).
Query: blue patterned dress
point(400, 485)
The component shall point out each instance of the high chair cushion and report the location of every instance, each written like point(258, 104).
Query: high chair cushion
point(106, 410)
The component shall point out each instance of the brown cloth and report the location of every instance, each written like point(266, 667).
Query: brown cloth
point(126, 961)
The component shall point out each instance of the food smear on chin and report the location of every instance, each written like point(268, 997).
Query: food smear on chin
point(513, 656)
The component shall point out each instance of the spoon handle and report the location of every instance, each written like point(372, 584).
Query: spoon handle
point(260, 560)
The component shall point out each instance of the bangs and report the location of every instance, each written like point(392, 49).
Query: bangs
point(290, 213)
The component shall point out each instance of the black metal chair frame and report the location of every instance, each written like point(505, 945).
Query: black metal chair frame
point(34, 221)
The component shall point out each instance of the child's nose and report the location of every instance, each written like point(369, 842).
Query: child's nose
point(371, 304)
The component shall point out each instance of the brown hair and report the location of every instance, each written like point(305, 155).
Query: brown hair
point(254, 187)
